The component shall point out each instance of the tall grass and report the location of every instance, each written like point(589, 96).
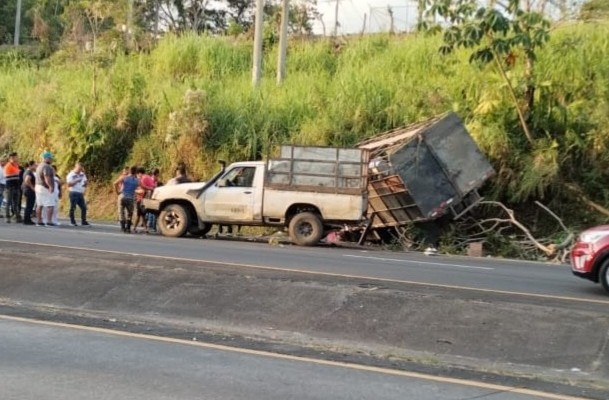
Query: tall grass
point(334, 94)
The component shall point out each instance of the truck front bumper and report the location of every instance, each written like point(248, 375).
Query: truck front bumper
point(151, 204)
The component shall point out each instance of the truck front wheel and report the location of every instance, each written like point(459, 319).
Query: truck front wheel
point(196, 231)
point(306, 229)
point(173, 221)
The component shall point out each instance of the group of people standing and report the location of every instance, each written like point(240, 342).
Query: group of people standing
point(42, 189)
point(132, 187)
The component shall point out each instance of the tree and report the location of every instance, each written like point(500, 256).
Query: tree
point(48, 24)
point(241, 12)
point(498, 34)
point(594, 9)
point(300, 17)
point(182, 15)
point(7, 20)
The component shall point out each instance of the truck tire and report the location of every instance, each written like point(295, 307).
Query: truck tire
point(306, 229)
point(603, 274)
point(195, 231)
point(173, 221)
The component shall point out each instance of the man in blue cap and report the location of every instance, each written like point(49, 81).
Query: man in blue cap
point(45, 186)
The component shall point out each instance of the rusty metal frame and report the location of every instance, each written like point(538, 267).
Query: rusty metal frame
point(362, 178)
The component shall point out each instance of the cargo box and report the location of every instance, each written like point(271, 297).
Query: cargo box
point(424, 171)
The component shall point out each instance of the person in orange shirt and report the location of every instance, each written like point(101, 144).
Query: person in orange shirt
point(13, 194)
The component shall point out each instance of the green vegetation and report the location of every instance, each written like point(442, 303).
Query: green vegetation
point(190, 99)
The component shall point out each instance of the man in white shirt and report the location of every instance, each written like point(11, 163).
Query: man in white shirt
point(2, 181)
point(77, 181)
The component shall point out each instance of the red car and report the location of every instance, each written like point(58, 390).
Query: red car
point(590, 255)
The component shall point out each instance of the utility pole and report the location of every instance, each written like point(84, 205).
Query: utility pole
point(257, 67)
point(283, 42)
point(17, 23)
point(364, 27)
point(336, 18)
point(129, 22)
point(157, 9)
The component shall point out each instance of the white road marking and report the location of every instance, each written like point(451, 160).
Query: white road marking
point(418, 262)
point(308, 360)
point(320, 273)
point(85, 231)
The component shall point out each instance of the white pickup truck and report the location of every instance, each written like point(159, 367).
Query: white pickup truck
point(307, 189)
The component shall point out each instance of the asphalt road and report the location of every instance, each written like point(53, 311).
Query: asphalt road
point(52, 362)
point(536, 279)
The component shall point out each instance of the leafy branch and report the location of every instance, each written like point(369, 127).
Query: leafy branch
point(495, 34)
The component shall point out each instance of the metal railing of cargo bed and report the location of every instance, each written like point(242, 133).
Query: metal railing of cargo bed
point(319, 169)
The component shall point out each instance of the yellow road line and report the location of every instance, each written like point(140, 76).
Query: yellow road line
point(329, 274)
point(380, 370)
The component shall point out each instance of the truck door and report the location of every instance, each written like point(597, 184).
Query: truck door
point(232, 198)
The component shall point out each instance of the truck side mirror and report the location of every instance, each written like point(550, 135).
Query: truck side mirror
point(222, 182)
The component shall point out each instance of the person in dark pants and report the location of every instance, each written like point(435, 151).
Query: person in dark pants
point(77, 182)
point(151, 217)
point(2, 182)
point(20, 195)
point(13, 191)
point(29, 191)
point(130, 184)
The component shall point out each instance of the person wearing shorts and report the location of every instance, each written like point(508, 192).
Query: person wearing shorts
point(45, 188)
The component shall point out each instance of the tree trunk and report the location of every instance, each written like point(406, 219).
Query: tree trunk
point(521, 113)
point(530, 83)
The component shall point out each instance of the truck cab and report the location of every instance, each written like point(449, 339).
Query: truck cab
point(237, 195)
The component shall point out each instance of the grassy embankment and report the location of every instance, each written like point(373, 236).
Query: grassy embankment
point(191, 100)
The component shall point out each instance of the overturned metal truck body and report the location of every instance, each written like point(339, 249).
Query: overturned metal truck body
point(424, 171)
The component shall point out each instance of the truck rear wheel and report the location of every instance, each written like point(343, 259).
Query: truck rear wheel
point(173, 220)
point(306, 229)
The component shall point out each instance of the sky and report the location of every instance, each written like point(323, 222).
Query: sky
point(351, 15)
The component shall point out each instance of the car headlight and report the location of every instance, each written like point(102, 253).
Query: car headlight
point(593, 236)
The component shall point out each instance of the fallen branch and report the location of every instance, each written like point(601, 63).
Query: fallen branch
point(562, 224)
point(578, 191)
point(549, 250)
point(570, 235)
